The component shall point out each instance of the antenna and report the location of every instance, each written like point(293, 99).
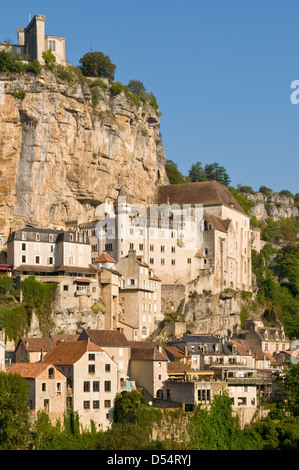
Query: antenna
point(90, 46)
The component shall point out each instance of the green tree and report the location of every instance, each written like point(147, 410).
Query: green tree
point(196, 173)
point(97, 64)
point(291, 390)
point(126, 405)
point(214, 171)
point(137, 87)
point(14, 412)
point(173, 173)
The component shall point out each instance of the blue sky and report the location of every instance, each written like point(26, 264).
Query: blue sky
point(221, 71)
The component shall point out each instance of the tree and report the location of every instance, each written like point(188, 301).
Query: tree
point(211, 172)
point(137, 87)
point(291, 390)
point(14, 412)
point(173, 173)
point(196, 173)
point(97, 64)
point(214, 171)
point(126, 405)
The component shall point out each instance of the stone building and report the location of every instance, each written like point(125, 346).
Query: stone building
point(32, 42)
point(56, 256)
point(148, 368)
point(91, 379)
point(47, 388)
point(269, 339)
point(117, 346)
point(191, 231)
point(140, 294)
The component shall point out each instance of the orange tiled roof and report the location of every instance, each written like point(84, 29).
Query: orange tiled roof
point(68, 353)
point(28, 370)
point(104, 258)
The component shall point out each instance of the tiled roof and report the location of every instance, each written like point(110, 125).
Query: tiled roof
point(61, 338)
point(205, 192)
point(37, 344)
point(219, 224)
point(147, 354)
point(178, 367)
point(104, 258)
point(28, 370)
point(112, 338)
point(68, 353)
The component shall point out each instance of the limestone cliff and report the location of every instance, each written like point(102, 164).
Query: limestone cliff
point(272, 205)
point(60, 156)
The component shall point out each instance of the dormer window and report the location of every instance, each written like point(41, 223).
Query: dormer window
point(23, 236)
point(37, 237)
point(50, 237)
point(266, 334)
point(205, 348)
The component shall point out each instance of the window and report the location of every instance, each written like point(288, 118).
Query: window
point(162, 248)
point(24, 246)
point(173, 249)
point(86, 386)
point(44, 387)
point(96, 386)
point(189, 260)
point(163, 261)
point(173, 262)
point(86, 405)
point(37, 259)
point(141, 246)
point(51, 260)
point(107, 403)
point(96, 404)
point(37, 237)
point(152, 260)
point(52, 45)
point(91, 357)
point(58, 388)
point(152, 248)
point(23, 236)
point(91, 368)
point(51, 373)
point(107, 368)
point(65, 287)
point(107, 386)
point(24, 259)
point(131, 246)
point(50, 237)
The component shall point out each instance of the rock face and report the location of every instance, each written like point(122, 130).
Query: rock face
point(273, 205)
point(60, 157)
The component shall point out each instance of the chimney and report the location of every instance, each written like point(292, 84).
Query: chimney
point(21, 37)
point(186, 351)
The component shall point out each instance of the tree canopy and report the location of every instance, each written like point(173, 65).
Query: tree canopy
point(97, 64)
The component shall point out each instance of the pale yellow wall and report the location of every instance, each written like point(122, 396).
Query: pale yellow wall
point(82, 374)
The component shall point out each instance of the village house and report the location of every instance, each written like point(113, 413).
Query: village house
point(55, 256)
point(32, 42)
point(116, 345)
point(269, 339)
point(91, 380)
point(32, 349)
point(140, 294)
point(47, 388)
point(148, 368)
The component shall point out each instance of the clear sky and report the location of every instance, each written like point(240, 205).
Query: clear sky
point(221, 71)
